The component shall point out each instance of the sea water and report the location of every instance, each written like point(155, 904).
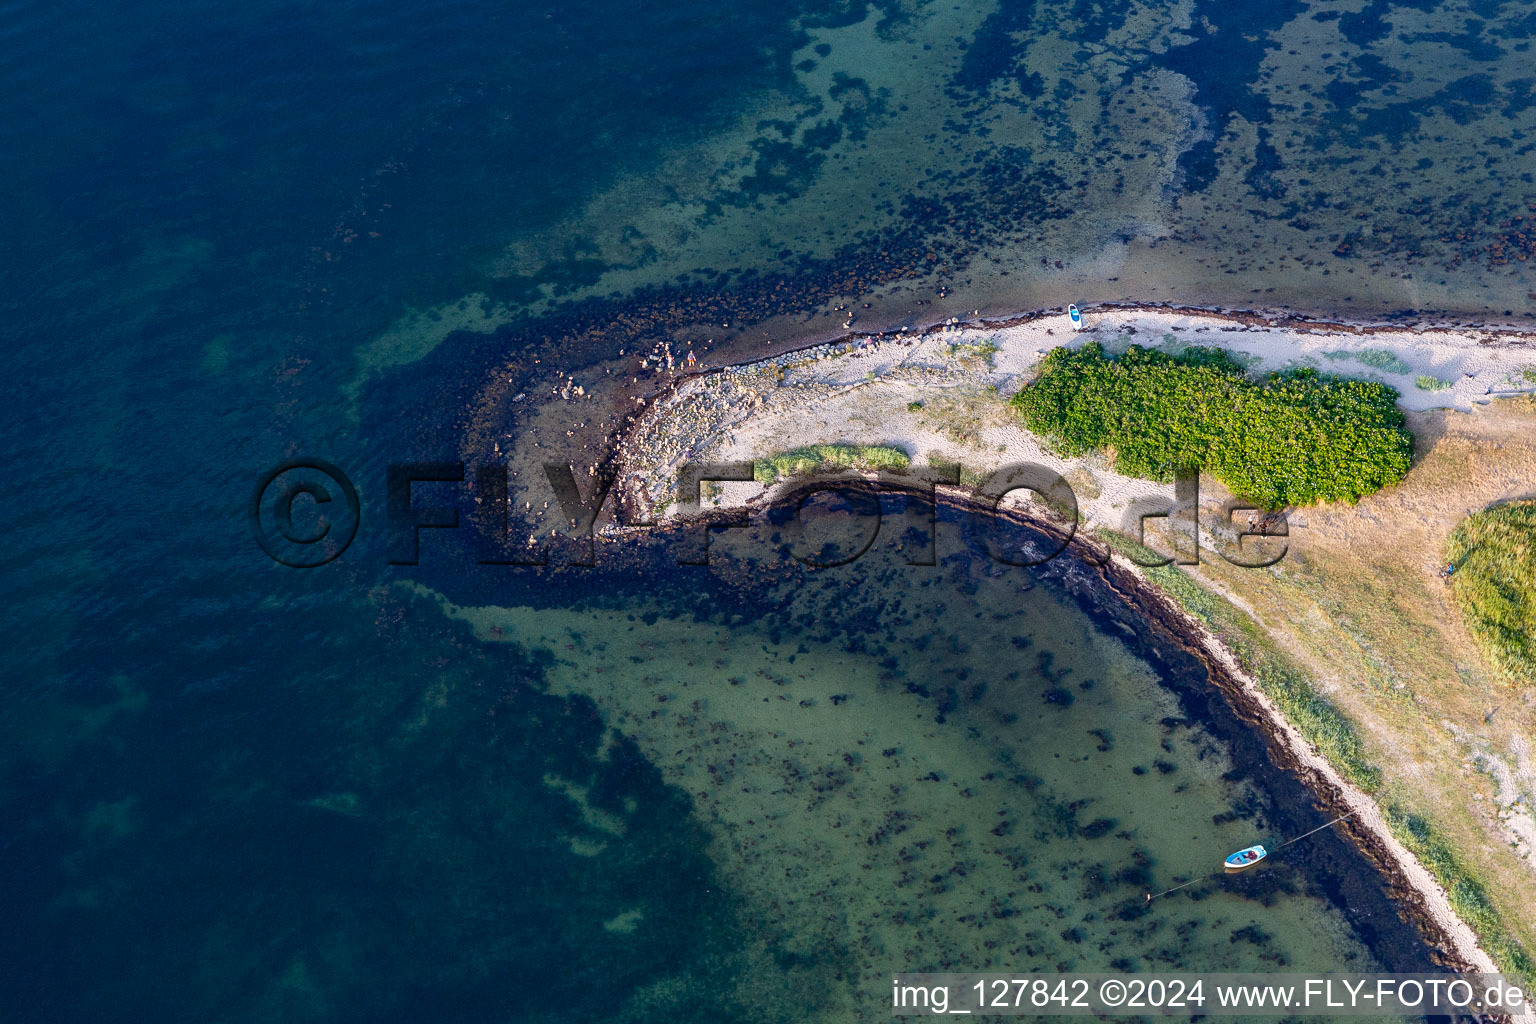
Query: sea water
point(947, 766)
point(233, 790)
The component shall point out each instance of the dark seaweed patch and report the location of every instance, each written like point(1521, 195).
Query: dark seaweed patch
point(1366, 26)
point(782, 169)
point(993, 53)
point(1458, 100)
point(1098, 828)
point(1521, 95)
point(1525, 28)
point(1224, 65)
point(1470, 41)
point(1252, 933)
point(1261, 176)
point(823, 136)
point(1368, 72)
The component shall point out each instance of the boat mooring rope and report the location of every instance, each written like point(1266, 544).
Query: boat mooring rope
point(1288, 842)
point(1152, 896)
point(1319, 828)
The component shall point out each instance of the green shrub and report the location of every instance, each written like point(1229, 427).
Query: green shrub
point(1295, 438)
point(818, 457)
point(942, 464)
point(1217, 358)
point(968, 477)
point(1426, 383)
point(1494, 552)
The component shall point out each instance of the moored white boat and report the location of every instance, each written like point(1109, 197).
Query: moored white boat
point(1245, 858)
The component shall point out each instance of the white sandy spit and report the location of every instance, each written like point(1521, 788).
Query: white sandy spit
point(943, 394)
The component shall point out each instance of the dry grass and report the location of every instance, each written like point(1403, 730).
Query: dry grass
point(963, 414)
point(1359, 605)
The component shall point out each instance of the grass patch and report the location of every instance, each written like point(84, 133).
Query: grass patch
point(962, 416)
point(1084, 484)
point(967, 476)
point(1295, 438)
point(1468, 895)
point(1383, 359)
point(822, 457)
point(973, 350)
point(1494, 552)
point(1426, 383)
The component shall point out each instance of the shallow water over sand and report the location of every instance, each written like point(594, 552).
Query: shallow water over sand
point(945, 768)
point(236, 792)
point(929, 159)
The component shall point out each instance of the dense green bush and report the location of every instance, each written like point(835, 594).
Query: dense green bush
point(1296, 438)
point(1494, 552)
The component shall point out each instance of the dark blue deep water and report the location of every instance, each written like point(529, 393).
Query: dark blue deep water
point(235, 791)
point(175, 176)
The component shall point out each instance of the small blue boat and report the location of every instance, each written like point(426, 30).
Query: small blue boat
point(1077, 317)
point(1246, 858)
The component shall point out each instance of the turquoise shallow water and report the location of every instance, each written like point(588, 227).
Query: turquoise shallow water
point(934, 766)
point(231, 790)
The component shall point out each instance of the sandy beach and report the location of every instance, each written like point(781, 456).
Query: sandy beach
point(942, 393)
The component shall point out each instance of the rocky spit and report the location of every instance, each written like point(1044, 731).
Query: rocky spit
point(695, 418)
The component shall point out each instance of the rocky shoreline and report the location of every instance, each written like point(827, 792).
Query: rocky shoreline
point(1118, 594)
point(1418, 897)
point(674, 425)
point(749, 408)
